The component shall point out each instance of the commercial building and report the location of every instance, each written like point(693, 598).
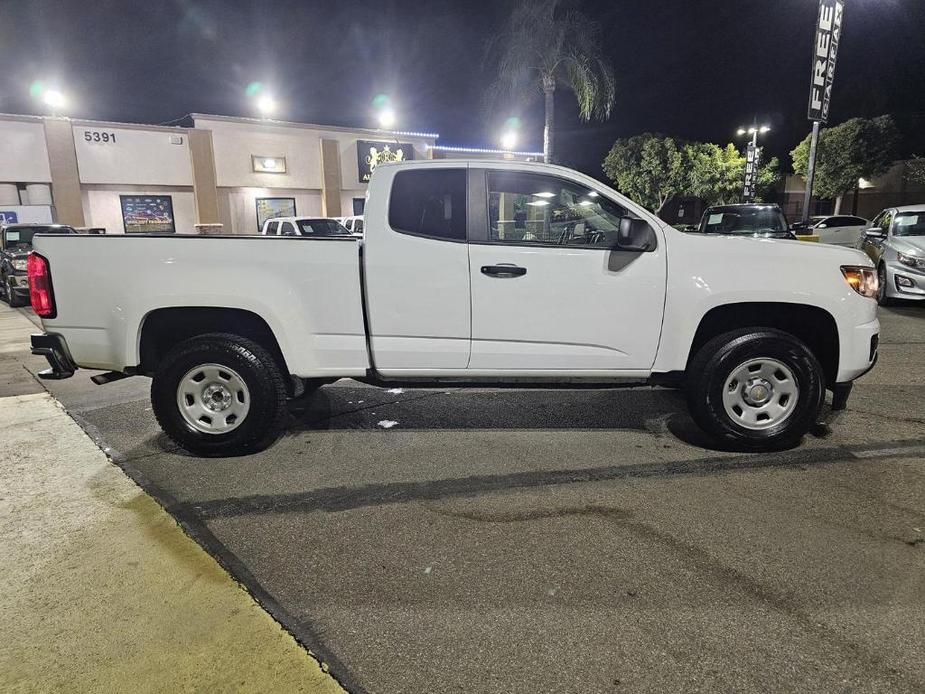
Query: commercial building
point(218, 170)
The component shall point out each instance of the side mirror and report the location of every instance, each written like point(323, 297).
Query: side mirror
point(635, 235)
point(875, 234)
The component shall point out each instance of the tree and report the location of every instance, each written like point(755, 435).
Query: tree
point(547, 45)
point(915, 170)
point(648, 168)
point(717, 174)
point(651, 169)
point(858, 148)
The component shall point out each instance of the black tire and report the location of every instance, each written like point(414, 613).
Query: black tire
point(719, 358)
point(256, 367)
point(882, 298)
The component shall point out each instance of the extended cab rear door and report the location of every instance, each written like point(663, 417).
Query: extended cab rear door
point(549, 290)
point(417, 269)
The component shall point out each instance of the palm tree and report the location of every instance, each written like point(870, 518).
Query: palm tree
point(546, 45)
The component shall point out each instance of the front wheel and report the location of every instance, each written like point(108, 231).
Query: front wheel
point(755, 388)
point(882, 297)
point(219, 395)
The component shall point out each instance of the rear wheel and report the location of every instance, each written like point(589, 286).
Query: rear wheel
point(219, 395)
point(755, 388)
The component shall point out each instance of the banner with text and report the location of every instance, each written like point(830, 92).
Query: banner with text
point(825, 51)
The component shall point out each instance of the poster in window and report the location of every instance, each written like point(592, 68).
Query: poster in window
point(370, 154)
point(146, 214)
point(267, 208)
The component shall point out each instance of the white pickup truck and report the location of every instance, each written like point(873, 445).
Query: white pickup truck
point(470, 272)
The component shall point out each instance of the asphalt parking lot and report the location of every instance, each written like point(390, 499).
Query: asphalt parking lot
point(567, 540)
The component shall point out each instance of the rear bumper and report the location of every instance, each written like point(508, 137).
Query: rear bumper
point(53, 347)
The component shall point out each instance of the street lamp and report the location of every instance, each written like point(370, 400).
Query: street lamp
point(386, 118)
point(509, 141)
point(54, 100)
point(751, 164)
point(266, 104)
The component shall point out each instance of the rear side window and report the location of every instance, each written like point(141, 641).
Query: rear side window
point(271, 228)
point(429, 202)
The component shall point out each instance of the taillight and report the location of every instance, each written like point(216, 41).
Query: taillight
point(40, 291)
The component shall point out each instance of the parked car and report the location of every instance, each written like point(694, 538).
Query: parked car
point(303, 226)
point(469, 272)
point(747, 219)
point(354, 223)
point(838, 230)
point(895, 241)
point(14, 250)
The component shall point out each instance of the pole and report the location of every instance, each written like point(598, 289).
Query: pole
point(810, 171)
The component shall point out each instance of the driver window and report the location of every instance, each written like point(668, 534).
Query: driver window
point(527, 209)
point(886, 221)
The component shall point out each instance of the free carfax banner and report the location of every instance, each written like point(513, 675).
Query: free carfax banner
point(825, 50)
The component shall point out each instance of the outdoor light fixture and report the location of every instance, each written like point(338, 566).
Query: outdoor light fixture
point(742, 131)
point(509, 140)
point(54, 99)
point(386, 118)
point(263, 164)
point(266, 105)
point(764, 128)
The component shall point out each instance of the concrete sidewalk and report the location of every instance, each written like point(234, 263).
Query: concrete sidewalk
point(102, 591)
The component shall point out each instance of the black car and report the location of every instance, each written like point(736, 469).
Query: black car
point(14, 249)
point(763, 220)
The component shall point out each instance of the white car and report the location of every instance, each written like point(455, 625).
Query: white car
point(469, 272)
point(303, 226)
point(354, 223)
point(838, 230)
point(895, 241)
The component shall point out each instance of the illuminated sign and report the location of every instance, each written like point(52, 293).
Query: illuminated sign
point(371, 154)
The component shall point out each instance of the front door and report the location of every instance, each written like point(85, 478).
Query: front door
point(549, 293)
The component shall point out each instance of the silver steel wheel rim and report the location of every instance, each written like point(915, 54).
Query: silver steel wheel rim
point(213, 399)
point(760, 393)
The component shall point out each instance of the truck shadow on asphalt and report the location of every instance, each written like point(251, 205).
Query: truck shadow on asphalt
point(660, 412)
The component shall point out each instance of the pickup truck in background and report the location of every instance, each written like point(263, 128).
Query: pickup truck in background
point(470, 272)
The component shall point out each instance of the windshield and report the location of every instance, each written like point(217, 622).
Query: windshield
point(743, 220)
point(20, 238)
point(909, 224)
point(322, 227)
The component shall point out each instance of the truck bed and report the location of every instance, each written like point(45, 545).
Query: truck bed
point(306, 289)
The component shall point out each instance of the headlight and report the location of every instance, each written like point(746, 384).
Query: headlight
point(20, 264)
point(911, 260)
point(863, 280)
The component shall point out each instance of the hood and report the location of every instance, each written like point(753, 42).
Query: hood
point(913, 245)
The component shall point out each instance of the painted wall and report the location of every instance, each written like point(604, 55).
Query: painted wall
point(133, 156)
point(238, 206)
point(23, 153)
point(104, 209)
point(36, 214)
point(235, 143)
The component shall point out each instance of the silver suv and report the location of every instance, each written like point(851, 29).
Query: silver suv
point(895, 241)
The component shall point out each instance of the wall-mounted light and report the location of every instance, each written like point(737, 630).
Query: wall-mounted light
point(264, 164)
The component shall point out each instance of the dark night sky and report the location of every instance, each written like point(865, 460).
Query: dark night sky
point(691, 68)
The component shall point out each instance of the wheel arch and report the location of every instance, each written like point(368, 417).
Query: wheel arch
point(813, 325)
point(163, 328)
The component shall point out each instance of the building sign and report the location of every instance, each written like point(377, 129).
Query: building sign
point(147, 214)
point(752, 160)
point(370, 154)
point(8, 217)
point(825, 51)
point(268, 208)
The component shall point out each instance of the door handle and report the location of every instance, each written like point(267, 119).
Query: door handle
point(504, 270)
